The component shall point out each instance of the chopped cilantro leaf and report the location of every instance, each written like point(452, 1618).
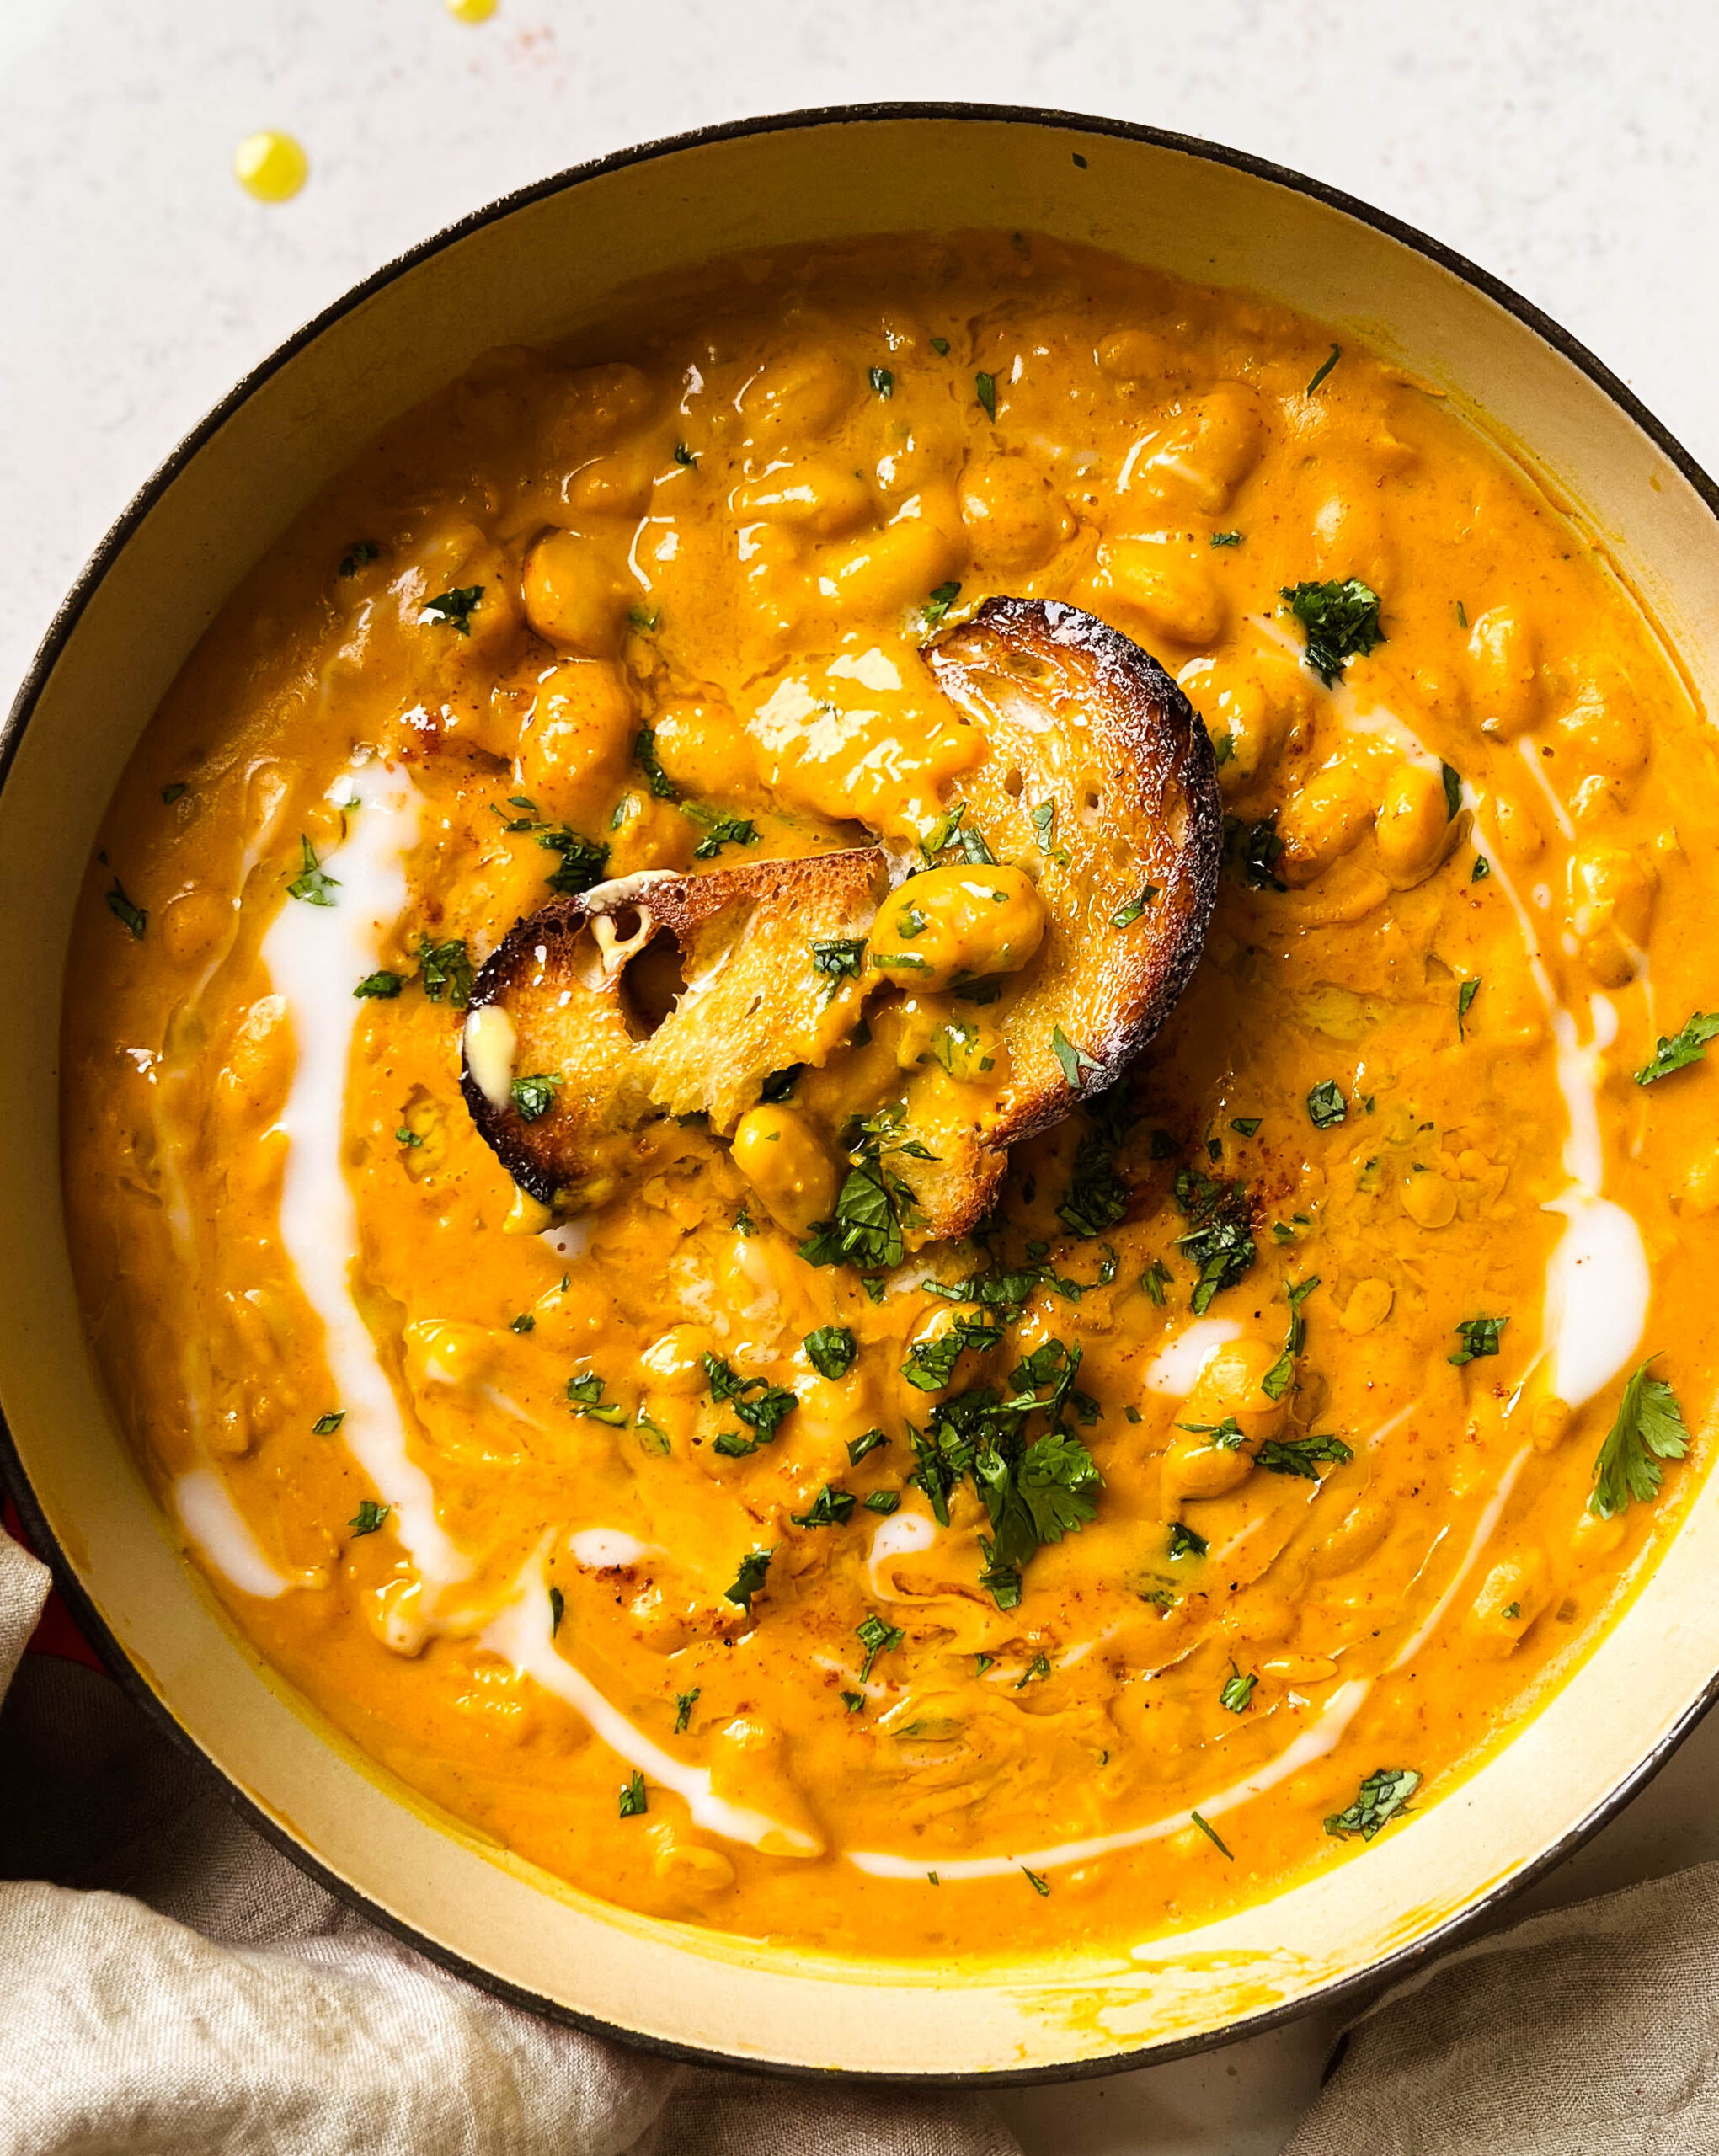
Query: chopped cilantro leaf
point(1453, 788)
point(644, 755)
point(830, 1350)
point(1213, 1836)
point(585, 1396)
point(326, 1425)
point(534, 1095)
point(858, 1448)
point(1340, 621)
point(455, 608)
point(876, 1638)
point(558, 1610)
point(1302, 1455)
point(884, 1502)
point(1044, 828)
point(134, 916)
point(446, 970)
point(312, 883)
point(831, 1508)
point(1337, 353)
point(720, 830)
point(763, 1406)
point(383, 987)
point(1649, 1428)
point(842, 957)
point(1325, 1105)
point(1384, 1796)
point(176, 791)
point(1687, 1046)
point(984, 387)
point(1219, 1239)
point(525, 1322)
point(1226, 538)
point(952, 833)
point(1465, 995)
point(940, 345)
point(1482, 868)
point(931, 1364)
point(1184, 1542)
point(685, 1703)
point(882, 380)
point(1074, 1061)
point(1237, 1692)
point(1479, 1336)
point(584, 862)
point(359, 555)
point(1254, 850)
point(632, 1797)
point(938, 604)
point(1125, 916)
point(753, 1565)
point(683, 455)
point(369, 1517)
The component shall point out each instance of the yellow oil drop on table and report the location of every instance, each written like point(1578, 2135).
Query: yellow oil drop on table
point(472, 11)
point(271, 166)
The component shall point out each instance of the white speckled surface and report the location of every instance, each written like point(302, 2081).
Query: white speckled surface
point(1569, 148)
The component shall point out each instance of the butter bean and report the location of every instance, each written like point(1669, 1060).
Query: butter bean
point(1153, 585)
point(1503, 658)
point(577, 593)
point(786, 1162)
point(1414, 829)
point(1015, 519)
point(959, 924)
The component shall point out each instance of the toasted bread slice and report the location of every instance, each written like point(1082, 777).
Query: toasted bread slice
point(1100, 779)
point(569, 997)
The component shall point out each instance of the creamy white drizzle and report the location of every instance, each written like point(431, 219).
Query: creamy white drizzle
point(316, 955)
point(598, 1549)
point(1339, 1711)
point(898, 1538)
point(1176, 1369)
point(521, 1634)
point(1478, 1541)
point(215, 1524)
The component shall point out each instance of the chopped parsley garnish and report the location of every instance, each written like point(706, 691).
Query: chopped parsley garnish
point(830, 1350)
point(762, 1406)
point(584, 862)
point(134, 916)
point(931, 1364)
point(1184, 1542)
point(310, 884)
point(383, 986)
point(644, 755)
point(882, 380)
point(831, 1508)
point(369, 1517)
point(1278, 1379)
point(683, 455)
point(854, 1702)
point(1237, 1692)
point(1685, 1047)
point(1302, 1455)
point(1340, 622)
point(1226, 538)
point(1074, 1061)
point(1465, 995)
point(1337, 353)
point(1247, 1124)
point(911, 922)
point(685, 1703)
point(858, 1448)
point(632, 1797)
point(1219, 1239)
point(1127, 914)
point(1479, 1336)
point(558, 1610)
point(953, 834)
point(405, 1135)
point(1453, 788)
point(884, 1502)
point(1325, 1105)
point(870, 1210)
point(876, 1638)
point(984, 386)
point(1036, 1879)
point(779, 1086)
point(1212, 1836)
point(645, 619)
point(842, 957)
point(938, 604)
point(585, 1396)
point(1096, 1197)
point(1482, 868)
point(1044, 828)
point(326, 1425)
point(1649, 1428)
point(534, 1095)
point(455, 608)
point(1254, 850)
point(940, 345)
point(446, 970)
point(750, 1579)
point(1225, 1435)
point(1384, 1796)
point(720, 830)
point(1156, 1279)
point(357, 556)
point(176, 791)
point(1035, 1671)
point(1223, 749)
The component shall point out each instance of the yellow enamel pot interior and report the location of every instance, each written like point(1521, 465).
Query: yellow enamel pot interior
point(537, 269)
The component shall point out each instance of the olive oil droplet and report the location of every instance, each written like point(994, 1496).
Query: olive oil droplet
point(271, 166)
point(471, 11)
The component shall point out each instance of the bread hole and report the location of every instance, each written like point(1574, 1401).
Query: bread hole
point(652, 985)
point(1090, 801)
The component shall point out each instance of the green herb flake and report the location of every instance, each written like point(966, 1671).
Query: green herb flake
point(1687, 1046)
point(584, 862)
point(1340, 622)
point(1254, 850)
point(1074, 1061)
point(1302, 1456)
point(876, 1638)
point(405, 1135)
point(940, 345)
point(858, 1448)
point(831, 1508)
point(311, 885)
point(762, 1406)
point(369, 1517)
point(176, 791)
point(644, 755)
point(1464, 996)
point(684, 456)
point(558, 1610)
point(1127, 914)
point(720, 830)
point(1226, 538)
point(1035, 1673)
point(357, 556)
point(1238, 1691)
point(1649, 1428)
point(1044, 827)
point(1337, 353)
point(1036, 1879)
point(632, 1797)
point(647, 620)
point(884, 1502)
point(454, 609)
point(1184, 1542)
point(1156, 1279)
point(830, 1350)
point(134, 916)
point(938, 604)
point(585, 1396)
point(1384, 1796)
point(1453, 789)
point(1482, 868)
point(1247, 1124)
point(984, 388)
point(1325, 1106)
point(750, 1579)
point(1480, 1336)
point(534, 1095)
point(380, 987)
point(326, 1425)
point(882, 380)
point(854, 1702)
point(1213, 1837)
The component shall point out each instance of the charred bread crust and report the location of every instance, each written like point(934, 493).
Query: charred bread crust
point(1077, 715)
point(752, 1001)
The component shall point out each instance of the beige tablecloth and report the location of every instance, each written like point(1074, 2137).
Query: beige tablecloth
point(170, 1986)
